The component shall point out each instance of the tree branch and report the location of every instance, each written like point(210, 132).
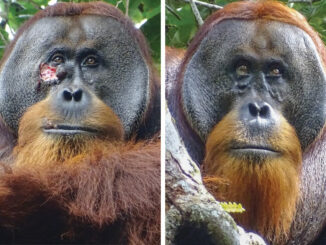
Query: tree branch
point(190, 208)
point(300, 1)
point(207, 5)
point(3, 39)
point(127, 7)
point(118, 3)
point(34, 4)
point(196, 13)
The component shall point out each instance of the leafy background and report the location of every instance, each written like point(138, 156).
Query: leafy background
point(181, 24)
point(144, 13)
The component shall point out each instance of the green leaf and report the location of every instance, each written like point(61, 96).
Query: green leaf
point(152, 12)
point(180, 31)
point(181, 25)
point(172, 11)
point(151, 30)
point(4, 39)
point(41, 2)
point(21, 10)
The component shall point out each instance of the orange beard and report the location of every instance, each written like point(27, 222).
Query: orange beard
point(37, 148)
point(95, 181)
point(267, 187)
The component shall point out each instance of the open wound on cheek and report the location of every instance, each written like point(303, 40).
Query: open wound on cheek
point(48, 75)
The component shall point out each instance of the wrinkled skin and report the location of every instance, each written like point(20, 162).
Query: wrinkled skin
point(210, 87)
point(121, 71)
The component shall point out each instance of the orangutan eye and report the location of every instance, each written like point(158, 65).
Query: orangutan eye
point(274, 72)
point(57, 59)
point(90, 61)
point(242, 70)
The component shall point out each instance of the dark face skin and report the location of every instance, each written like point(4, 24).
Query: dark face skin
point(95, 54)
point(261, 69)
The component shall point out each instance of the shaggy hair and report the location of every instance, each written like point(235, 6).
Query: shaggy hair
point(86, 188)
point(111, 196)
point(267, 187)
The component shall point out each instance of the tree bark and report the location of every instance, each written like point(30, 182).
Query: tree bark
point(193, 216)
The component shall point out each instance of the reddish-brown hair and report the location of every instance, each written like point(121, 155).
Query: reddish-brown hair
point(267, 188)
point(110, 196)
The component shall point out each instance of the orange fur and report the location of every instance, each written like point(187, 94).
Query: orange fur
point(268, 188)
point(112, 195)
point(89, 188)
point(82, 189)
point(57, 148)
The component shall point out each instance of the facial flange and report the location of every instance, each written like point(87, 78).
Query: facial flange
point(242, 58)
point(72, 44)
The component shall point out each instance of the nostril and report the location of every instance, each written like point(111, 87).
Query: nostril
point(242, 86)
point(78, 95)
point(264, 111)
point(67, 95)
point(253, 109)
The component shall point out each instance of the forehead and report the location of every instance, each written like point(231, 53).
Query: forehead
point(76, 30)
point(261, 37)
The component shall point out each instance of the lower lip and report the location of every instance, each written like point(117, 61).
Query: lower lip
point(67, 132)
point(255, 151)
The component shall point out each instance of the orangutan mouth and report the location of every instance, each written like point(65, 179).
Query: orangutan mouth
point(68, 129)
point(254, 150)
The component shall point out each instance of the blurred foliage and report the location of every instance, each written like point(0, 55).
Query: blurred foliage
point(14, 12)
point(181, 24)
